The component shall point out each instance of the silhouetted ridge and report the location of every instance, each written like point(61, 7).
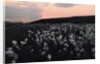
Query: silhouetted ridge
point(80, 19)
point(8, 23)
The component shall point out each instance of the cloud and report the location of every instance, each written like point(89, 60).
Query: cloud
point(22, 13)
point(64, 5)
point(45, 4)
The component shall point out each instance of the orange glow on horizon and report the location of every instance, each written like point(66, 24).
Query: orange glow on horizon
point(78, 10)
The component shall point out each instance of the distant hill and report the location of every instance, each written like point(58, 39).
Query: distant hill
point(8, 23)
point(78, 19)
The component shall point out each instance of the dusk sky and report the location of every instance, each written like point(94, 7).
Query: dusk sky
point(30, 11)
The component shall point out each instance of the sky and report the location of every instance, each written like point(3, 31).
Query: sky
point(25, 11)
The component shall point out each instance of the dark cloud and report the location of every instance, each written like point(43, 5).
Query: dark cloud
point(64, 5)
point(17, 13)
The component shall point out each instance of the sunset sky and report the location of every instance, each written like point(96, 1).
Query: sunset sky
point(25, 11)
